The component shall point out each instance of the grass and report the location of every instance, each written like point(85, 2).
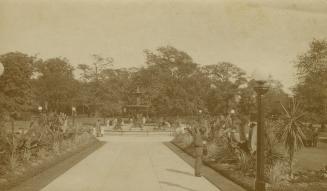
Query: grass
point(311, 158)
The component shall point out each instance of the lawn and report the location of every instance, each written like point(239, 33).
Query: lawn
point(311, 158)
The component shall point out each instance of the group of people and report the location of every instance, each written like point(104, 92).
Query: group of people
point(98, 130)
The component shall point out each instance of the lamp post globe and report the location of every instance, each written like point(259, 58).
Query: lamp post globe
point(261, 88)
point(40, 109)
point(2, 69)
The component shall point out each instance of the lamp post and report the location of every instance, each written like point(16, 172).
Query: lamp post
point(199, 118)
point(261, 88)
point(73, 115)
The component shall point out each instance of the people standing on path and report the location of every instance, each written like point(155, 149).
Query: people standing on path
point(114, 123)
point(97, 126)
point(107, 123)
point(315, 136)
point(198, 143)
point(101, 131)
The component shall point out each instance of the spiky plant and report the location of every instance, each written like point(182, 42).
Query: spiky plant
point(291, 130)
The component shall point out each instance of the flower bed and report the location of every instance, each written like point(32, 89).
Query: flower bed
point(303, 181)
point(39, 146)
point(44, 159)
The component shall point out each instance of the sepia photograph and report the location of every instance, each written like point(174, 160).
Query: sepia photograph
point(163, 95)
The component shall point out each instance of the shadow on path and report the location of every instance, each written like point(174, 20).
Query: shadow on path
point(210, 174)
point(180, 172)
point(176, 185)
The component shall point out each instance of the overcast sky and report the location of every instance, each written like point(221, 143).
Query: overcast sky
point(262, 35)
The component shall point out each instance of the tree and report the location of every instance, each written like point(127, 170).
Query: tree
point(15, 83)
point(114, 84)
point(226, 81)
point(291, 130)
point(55, 86)
point(312, 80)
point(274, 97)
point(172, 82)
point(91, 76)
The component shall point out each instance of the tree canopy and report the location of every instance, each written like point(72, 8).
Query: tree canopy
point(173, 85)
point(312, 77)
point(15, 83)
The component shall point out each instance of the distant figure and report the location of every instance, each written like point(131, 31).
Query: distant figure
point(65, 126)
point(143, 120)
point(114, 122)
point(94, 131)
point(198, 144)
point(98, 129)
point(253, 137)
point(167, 125)
point(119, 123)
point(101, 131)
point(315, 137)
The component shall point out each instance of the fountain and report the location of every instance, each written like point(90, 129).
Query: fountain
point(137, 111)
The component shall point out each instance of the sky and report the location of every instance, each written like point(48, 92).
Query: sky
point(265, 36)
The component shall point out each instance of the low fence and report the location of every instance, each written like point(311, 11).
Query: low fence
point(169, 132)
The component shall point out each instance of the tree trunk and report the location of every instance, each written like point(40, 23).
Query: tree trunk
point(291, 163)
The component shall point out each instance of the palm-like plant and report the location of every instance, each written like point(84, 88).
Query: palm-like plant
point(291, 130)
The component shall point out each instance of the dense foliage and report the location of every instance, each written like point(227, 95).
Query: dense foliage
point(312, 77)
point(173, 84)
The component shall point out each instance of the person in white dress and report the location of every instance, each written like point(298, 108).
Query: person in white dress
point(101, 130)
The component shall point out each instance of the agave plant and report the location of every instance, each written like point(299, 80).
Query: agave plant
point(291, 130)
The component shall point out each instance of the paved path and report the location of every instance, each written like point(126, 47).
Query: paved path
point(131, 163)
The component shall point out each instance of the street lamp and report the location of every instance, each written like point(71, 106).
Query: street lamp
point(73, 115)
point(261, 88)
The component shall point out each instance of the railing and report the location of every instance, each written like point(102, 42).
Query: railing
point(145, 132)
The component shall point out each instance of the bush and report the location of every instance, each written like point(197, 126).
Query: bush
point(213, 151)
point(278, 174)
point(183, 140)
point(42, 153)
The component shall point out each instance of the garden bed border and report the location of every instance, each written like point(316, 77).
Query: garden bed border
point(36, 172)
point(211, 174)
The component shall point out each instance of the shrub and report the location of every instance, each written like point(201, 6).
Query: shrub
point(13, 161)
point(56, 148)
point(213, 149)
point(278, 173)
point(42, 153)
point(27, 154)
point(183, 140)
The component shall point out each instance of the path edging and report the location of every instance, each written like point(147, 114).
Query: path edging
point(48, 171)
point(220, 181)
